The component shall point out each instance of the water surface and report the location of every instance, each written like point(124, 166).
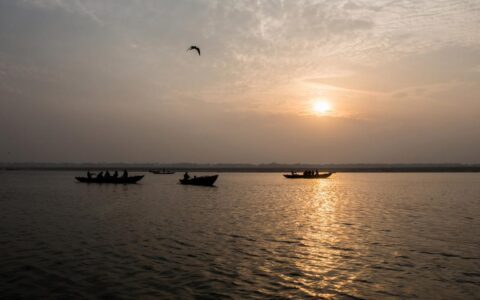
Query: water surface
point(353, 236)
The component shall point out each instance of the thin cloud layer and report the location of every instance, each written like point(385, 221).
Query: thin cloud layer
point(111, 81)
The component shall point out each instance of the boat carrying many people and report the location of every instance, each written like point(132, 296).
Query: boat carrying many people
point(161, 172)
point(106, 177)
point(308, 174)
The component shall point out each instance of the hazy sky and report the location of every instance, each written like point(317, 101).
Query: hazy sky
point(98, 81)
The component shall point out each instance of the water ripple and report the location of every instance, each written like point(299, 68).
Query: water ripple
point(256, 236)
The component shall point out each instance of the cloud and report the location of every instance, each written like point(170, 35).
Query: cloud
point(85, 8)
point(344, 25)
point(412, 71)
point(123, 63)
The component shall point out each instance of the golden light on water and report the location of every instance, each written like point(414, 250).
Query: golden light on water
point(321, 107)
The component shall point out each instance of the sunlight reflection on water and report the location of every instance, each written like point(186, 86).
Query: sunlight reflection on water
point(388, 236)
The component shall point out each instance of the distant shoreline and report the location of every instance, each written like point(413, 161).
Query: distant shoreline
point(246, 168)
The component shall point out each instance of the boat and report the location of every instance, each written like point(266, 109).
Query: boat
point(202, 180)
point(115, 180)
point(306, 176)
point(161, 172)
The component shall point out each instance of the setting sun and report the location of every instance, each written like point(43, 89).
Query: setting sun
point(321, 107)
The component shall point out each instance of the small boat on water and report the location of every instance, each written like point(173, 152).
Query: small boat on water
point(202, 180)
point(161, 172)
point(115, 180)
point(308, 176)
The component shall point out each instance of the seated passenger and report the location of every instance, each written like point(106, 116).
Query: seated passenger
point(186, 176)
point(115, 175)
point(125, 173)
point(100, 175)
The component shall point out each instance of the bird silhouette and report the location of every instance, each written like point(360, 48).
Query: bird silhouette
point(194, 48)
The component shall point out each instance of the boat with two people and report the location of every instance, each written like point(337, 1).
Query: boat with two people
point(107, 178)
point(308, 174)
point(161, 172)
point(201, 180)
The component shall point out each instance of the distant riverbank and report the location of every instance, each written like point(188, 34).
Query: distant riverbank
point(260, 168)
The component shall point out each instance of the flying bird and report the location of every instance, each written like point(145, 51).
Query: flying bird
point(194, 48)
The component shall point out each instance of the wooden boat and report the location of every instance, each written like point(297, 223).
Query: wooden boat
point(312, 176)
point(202, 180)
point(161, 172)
point(115, 180)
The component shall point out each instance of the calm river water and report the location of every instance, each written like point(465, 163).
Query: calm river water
point(353, 236)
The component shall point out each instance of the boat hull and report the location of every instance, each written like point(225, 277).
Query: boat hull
point(118, 180)
point(161, 172)
point(301, 176)
point(203, 180)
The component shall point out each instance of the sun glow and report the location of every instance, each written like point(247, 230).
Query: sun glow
point(321, 107)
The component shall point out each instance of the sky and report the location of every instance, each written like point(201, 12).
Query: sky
point(111, 81)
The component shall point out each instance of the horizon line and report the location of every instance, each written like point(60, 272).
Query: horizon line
point(248, 163)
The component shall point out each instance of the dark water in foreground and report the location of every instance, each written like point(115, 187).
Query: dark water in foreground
point(372, 236)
